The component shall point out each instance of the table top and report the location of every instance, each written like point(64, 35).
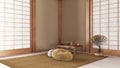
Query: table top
point(68, 46)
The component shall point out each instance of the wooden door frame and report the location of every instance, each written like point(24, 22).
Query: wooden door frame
point(33, 25)
point(32, 34)
point(90, 47)
point(88, 26)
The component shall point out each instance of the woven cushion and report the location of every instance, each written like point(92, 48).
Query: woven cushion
point(62, 55)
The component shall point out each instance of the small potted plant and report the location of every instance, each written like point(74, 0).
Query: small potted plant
point(98, 40)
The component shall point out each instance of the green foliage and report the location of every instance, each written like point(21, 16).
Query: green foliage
point(99, 39)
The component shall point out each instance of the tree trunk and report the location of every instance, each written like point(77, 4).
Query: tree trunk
point(99, 50)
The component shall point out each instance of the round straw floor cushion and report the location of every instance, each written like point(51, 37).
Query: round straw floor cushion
point(62, 55)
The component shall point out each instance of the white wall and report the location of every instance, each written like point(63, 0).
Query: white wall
point(82, 21)
point(69, 21)
point(73, 21)
point(47, 24)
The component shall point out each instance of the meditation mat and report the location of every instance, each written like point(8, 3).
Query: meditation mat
point(43, 61)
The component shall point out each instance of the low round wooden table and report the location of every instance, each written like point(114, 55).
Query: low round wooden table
point(71, 47)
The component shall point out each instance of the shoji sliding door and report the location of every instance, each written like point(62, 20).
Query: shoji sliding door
point(106, 21)
point(15, 25)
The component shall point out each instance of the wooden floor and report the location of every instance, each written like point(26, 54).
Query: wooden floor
point(110, 62)
point(22, 55)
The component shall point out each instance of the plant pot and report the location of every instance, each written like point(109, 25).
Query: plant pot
point(98, 54)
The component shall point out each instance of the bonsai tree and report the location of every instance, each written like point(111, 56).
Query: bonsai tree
point(99, 40)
